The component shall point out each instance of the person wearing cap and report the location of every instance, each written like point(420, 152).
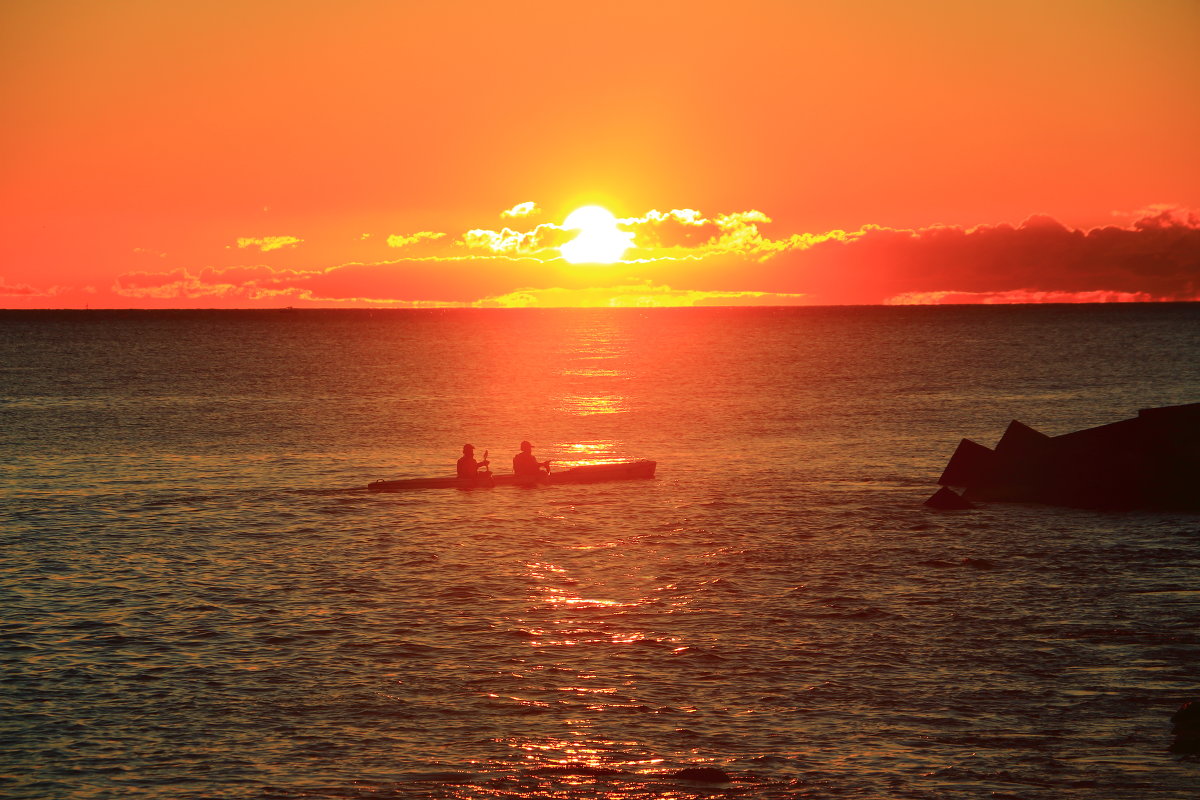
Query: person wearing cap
point(526, 466)
point(468, 467)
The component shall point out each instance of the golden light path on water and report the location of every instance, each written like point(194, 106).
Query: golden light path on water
point(589, 406)
point(573, 617)
point(571, 620)
point(598, 359)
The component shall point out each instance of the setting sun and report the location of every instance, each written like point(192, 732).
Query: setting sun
point(599, 240)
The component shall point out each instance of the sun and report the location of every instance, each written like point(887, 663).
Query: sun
point(599, 240)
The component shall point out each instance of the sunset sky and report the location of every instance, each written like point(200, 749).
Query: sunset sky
point(390, 154)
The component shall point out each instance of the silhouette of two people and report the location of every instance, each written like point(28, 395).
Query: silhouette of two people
point(524, 464)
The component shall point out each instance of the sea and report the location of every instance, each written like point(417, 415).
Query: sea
point(200, 599)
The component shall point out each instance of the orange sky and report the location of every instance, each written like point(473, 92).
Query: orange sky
point(243, 154)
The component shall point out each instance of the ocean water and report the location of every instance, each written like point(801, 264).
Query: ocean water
point(198, 598)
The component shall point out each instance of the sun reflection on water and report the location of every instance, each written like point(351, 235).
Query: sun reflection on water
point(580, 626)
point(556, 594)
point(595, 364)
point(581, 372)
point(587, 406)
point(588, 453)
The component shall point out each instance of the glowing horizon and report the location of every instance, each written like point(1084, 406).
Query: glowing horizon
point(684, 258)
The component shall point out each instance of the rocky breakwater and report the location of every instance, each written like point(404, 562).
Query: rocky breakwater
point(1151, 462)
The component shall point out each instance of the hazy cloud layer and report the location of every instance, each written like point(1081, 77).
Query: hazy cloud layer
point(19, 290)
point(645, 295)
point(1040, 260)
point(402, 240)
point(682, 257)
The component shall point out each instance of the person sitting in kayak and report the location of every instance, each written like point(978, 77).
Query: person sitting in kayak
point(526, 466)
point(468, 467)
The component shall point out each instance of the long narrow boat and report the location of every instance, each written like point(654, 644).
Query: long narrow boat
point(592, 473)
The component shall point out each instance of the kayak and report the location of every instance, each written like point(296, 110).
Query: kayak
point(592, 473)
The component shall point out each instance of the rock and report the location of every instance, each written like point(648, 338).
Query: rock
point(1017, 469)
point(1149, 462)
point(970, 464)
point(1102, 467)
point(1185, 725)
point(1173, 435)
point(702, 775)
point(947, 499)
point(1019, 440)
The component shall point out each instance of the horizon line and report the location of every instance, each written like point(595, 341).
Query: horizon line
point(619, 308)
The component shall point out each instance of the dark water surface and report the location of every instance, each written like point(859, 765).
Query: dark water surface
point(198, 599)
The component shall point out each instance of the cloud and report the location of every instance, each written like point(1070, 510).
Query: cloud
point(1165, 216)
point(176, 284)
point(213, 283)
point(687, 233)
point(1155, 257)
point(521, 210)
point(1015, 296)
point(403, 282)
point(684, 257)
point(541, 242)
point(644, 295)
point(399, 240)
point(682, 233)
point(269, 242)
point(20, 290)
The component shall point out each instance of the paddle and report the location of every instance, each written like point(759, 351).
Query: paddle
point(487, 469)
